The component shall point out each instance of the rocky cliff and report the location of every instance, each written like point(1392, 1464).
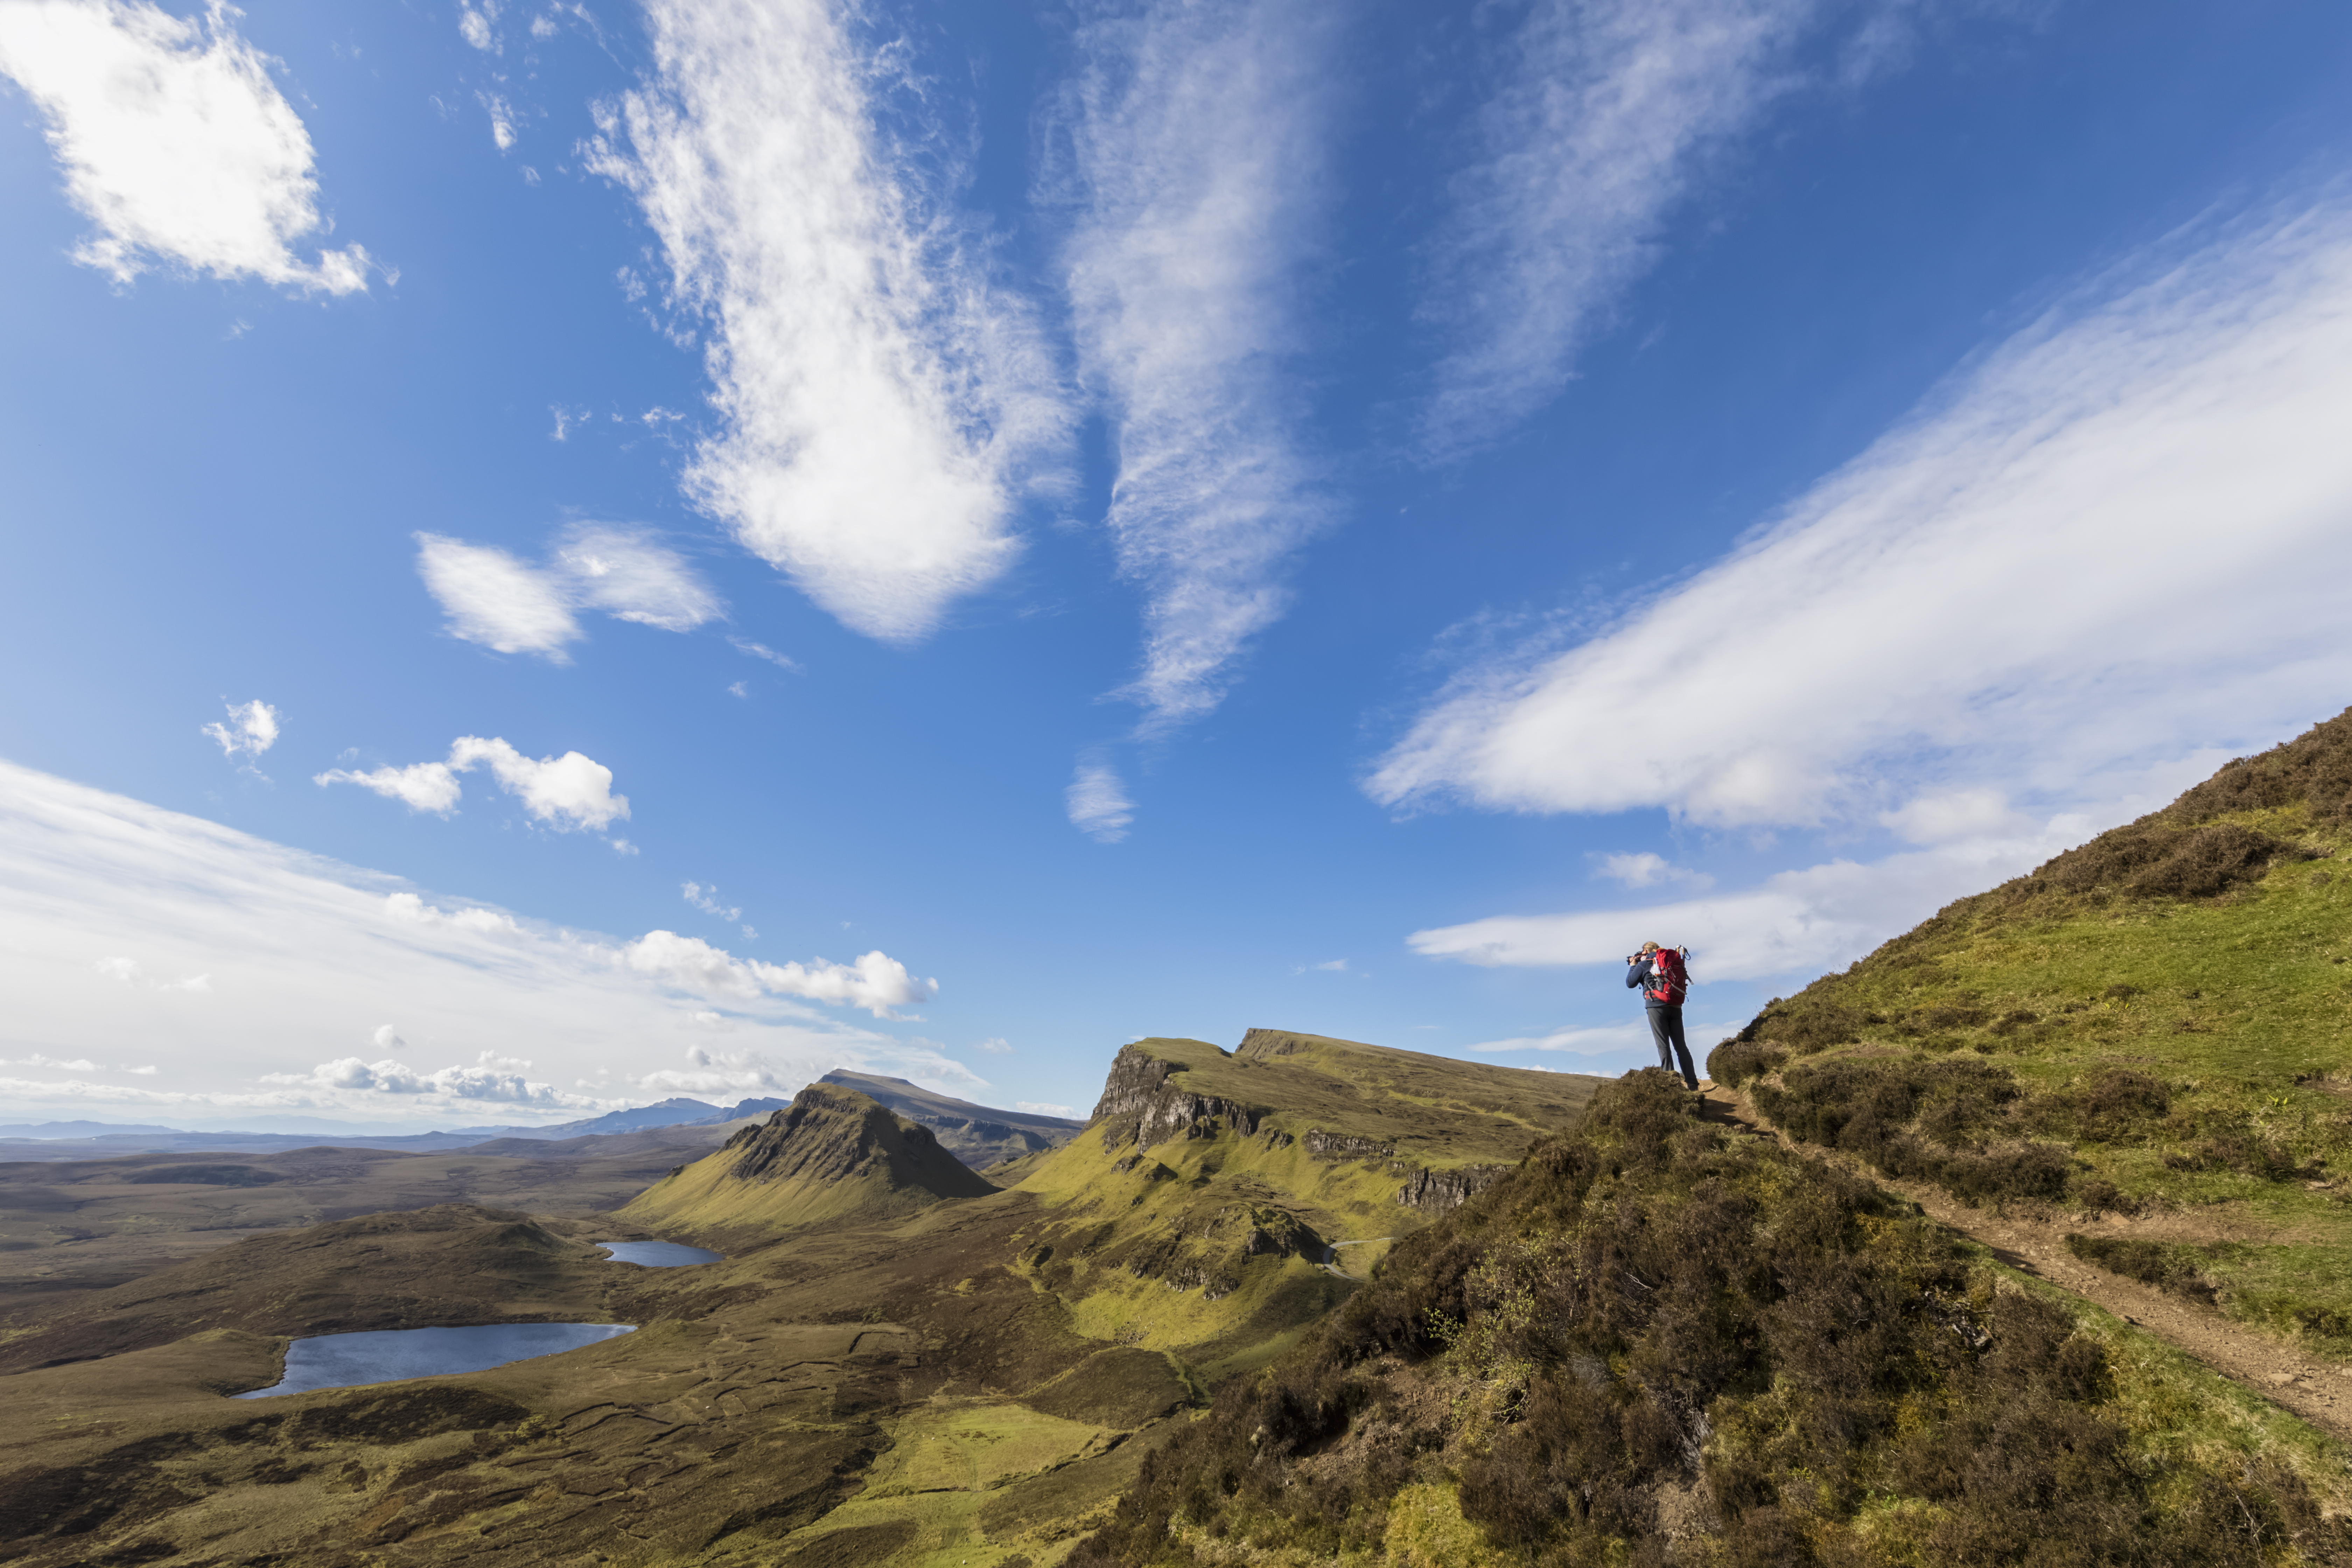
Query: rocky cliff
point(1138, 1105)
point(978, 1135)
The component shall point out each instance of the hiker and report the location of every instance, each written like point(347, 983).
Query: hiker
point(1663, 975)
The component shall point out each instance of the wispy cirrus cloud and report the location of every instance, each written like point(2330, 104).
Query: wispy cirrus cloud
point(490, 597)
point(1606, 113)
point(303, 949)
point(2041, 605)
point(1098, 804)
point(174, 143)
point(2066, 563)
point(1195, 138)
point(882, 403)
point(567, 792)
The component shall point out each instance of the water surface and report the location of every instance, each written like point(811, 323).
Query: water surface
point(659, 1254)
point(389, 1355)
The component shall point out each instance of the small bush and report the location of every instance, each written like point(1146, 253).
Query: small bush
point(1736, 1061)
point(2150, 1262)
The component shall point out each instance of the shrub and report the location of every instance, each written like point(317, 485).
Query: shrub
point(2150, 1262)
point(1650, 1305)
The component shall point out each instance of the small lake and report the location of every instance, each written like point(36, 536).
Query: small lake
point(390, 1355)
point(658, 1253)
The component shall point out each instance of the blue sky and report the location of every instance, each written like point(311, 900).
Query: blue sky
point(944, 539)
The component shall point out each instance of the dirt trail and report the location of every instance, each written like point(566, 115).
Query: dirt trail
point(2319, 1391)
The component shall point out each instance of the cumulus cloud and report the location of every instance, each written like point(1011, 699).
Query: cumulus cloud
point(1196, 138)
point(251, 729)
point(37, 1060)
point(2112, 539)
point(387, 1039)
point(130, 972)
point(995, 1046)
point(492, 1077)
point(567, 792)
point(1605, 111)
point(879, 399)
point(1097, 804)
point(100, 895)
point(490, 597)
point(173, 142)
point(874, 981)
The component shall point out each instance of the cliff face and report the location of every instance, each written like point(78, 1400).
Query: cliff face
point(1140, 1105)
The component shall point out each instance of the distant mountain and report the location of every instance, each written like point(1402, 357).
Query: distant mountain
point(81, 1130)
point(978, 1135)
point(836, 1153)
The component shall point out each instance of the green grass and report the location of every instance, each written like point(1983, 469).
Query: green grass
point(2238, 1005)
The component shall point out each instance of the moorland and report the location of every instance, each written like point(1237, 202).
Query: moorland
point(2025, 1239)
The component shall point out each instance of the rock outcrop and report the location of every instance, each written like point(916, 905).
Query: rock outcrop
point(1140, 1105)
point(1448, 1189)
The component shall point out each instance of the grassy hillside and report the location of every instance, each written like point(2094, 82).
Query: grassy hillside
point(1661, 1341)
point(833, 1154)
point(2154, 1027)
point(973, 1382)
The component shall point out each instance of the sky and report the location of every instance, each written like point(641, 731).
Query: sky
point(562, 554)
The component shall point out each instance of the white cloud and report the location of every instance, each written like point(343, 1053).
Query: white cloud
point(492, 598)
point(627, 574)
point(501, 113)
point(706, 901)
point(2111, 539)
point(567, 792)
point(301, 948)
point(761, 651)
point(1097, 804)
point(1798, 921)
point(173, 142)
point(739, 689)
point(420, 786)
point(474, 26)
point(387, 1039)
point(130, 972)
point(879, 400)
point(996, 1045)
point(493, 1077)
point(37, 1060)
point(251, 729)
point(1044, 1108)
point(1197, 164)
point(875, 981)
point(1647, 870)
point(1606, 110)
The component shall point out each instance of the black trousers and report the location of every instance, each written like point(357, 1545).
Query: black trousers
point(1666, 1028)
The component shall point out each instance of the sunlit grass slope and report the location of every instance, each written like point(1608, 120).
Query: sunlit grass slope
point(1659, 1341)
point(2156, 1025)
point(832, 1156)
point(1209, 1237)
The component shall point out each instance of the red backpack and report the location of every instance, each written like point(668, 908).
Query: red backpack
point(1669, 976)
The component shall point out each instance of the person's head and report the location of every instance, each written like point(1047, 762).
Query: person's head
point(1648, 948)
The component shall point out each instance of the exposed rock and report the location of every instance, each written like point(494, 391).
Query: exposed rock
point(1448, 1189)
point(1139, 1104)
point(978, 1135)
point(1346, 1146)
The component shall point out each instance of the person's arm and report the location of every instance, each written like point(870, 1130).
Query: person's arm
point(1639, 972)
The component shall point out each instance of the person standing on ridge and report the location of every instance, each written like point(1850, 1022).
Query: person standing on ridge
point(1663, 975)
